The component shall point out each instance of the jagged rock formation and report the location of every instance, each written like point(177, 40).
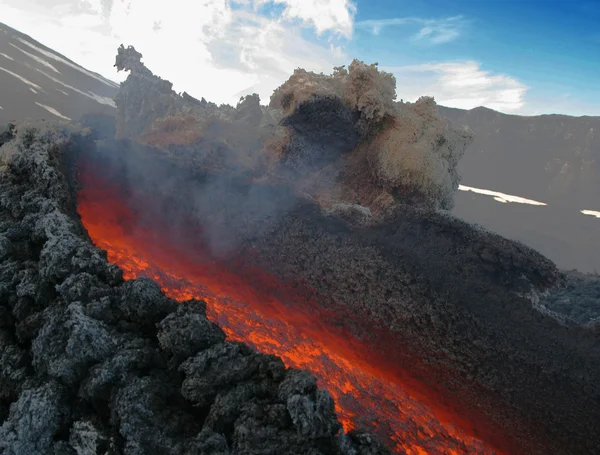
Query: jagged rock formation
point(394, 152)
point(221, 137)
point(342, 137)
point(90, 363)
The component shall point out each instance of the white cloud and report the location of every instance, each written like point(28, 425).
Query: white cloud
point(95, 6)
point(460, 84)
point(224, 49)
point(323, 15)
point(431, 31)
point(219, 49)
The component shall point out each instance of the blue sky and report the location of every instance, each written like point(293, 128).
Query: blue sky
point(517, 56)
point(552, 47)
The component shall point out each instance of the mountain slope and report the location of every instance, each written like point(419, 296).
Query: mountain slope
point(38, 82)
point(549, 158)
point(552, 158)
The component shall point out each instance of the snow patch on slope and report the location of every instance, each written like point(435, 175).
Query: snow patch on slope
point(591, 212)
point(70, 64)
point(53, 111)
point(21, 78)
point(100, 99)
point(501, 197)
point(36, 58)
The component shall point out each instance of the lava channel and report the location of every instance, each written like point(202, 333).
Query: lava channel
point(249, 308)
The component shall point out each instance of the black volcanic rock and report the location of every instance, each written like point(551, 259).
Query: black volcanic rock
point(94, 364)
point(6, 134)
point(578, 298)
point(323, 129)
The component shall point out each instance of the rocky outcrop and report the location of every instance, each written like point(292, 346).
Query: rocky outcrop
point(340, 138)
point(90, 363)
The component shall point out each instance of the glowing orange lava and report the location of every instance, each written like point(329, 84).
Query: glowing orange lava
point(254, 308)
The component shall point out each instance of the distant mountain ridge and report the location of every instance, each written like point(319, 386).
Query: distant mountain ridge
point(554, 159)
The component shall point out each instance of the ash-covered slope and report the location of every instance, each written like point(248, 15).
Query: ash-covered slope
point(351, 217)
point(38, 82)
point(91, 364)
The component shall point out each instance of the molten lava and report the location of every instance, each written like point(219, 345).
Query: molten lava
point(256, 309)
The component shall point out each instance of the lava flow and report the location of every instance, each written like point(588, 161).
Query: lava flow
point(249, 308)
